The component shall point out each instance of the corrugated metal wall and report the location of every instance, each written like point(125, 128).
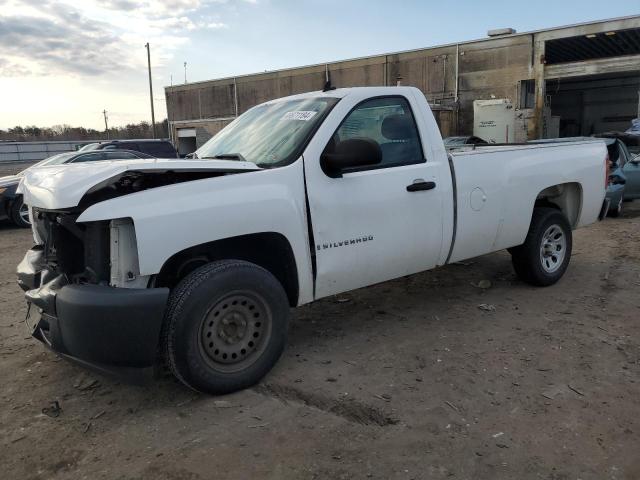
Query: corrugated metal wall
point(485, 69)
point(35, 151)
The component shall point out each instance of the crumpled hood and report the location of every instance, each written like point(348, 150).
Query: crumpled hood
point(63, 186)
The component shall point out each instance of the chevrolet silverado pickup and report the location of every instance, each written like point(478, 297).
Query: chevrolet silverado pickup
point(194, 264)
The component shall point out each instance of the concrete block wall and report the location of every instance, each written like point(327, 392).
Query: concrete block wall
point(487, 68)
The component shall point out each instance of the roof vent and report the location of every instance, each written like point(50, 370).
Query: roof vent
point(501, 31)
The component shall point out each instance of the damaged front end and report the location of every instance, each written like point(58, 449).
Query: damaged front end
point(67, 253)
point(76, 278)
point(88, 300)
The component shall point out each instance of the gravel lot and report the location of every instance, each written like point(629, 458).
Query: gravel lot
point(406, 379)
point(13, 167)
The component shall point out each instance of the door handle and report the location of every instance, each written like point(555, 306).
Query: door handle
point(420, 186)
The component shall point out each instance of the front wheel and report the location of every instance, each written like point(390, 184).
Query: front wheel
point(544, 256)
point(225, 326)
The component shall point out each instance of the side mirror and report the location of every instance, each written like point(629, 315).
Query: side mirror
point(355, 152)
point(617, 180)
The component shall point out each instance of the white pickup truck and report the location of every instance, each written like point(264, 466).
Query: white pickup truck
point(196, 263)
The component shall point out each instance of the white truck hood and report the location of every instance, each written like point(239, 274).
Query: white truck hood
point(63, 186)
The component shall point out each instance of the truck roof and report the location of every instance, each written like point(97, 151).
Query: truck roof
point(343, 92)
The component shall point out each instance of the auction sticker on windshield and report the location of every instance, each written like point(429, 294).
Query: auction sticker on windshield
point(304, 115)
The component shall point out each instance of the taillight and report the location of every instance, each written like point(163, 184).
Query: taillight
point(606, 171)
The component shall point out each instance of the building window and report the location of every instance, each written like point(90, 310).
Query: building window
point(527, 94)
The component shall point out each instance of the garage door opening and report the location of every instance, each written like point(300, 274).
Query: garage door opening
point(186, 141)
point(594, 104)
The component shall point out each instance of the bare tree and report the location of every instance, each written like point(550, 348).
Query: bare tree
point(66, 132)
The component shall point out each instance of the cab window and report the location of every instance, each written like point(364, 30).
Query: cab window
point(390, 122)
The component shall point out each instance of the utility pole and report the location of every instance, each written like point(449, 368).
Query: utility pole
point(106, 127)
point(185, 72)
point(153, 115)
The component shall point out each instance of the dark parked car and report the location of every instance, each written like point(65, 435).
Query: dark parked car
point(12, 206)
point(90, 156)
point(461, 141)
point(155, 148)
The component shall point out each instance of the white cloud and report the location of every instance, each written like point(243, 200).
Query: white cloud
point(93, 52)
point(59, 39)
point(217, 25)
point(91, 37)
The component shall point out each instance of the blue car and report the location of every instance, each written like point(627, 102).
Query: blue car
point(624, 149)
point(617, 186)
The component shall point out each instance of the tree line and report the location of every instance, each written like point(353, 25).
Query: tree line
point(32, 133)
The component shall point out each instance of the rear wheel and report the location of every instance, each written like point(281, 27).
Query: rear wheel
point(544, 256)
point(20, 213)
point(225, 326)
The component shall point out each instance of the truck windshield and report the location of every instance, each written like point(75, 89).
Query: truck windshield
point(269, 135)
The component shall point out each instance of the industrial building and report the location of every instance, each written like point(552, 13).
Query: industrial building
point(564, 81)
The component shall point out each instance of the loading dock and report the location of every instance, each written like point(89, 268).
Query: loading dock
point(594, 104)
point(186, 141)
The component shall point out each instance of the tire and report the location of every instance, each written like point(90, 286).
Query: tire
point(544, 256)
point(225, 326)
point(617, 211)
point(20, 213)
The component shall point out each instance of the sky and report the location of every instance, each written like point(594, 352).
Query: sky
point(65, 61)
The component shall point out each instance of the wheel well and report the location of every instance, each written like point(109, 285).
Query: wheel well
point(566, 197)
point(270, 250)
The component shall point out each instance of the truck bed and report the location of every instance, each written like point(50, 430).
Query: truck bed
point(500, 147)
point(497, 185)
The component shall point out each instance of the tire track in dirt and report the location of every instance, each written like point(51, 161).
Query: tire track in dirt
point(349, 409)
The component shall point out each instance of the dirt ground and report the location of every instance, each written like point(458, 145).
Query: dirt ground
point(409, 379)
point(13, 167)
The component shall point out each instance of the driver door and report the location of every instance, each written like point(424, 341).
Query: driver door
point(371, 224)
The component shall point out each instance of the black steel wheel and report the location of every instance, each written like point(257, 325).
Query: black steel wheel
point(225, 326)
point(234, 332)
